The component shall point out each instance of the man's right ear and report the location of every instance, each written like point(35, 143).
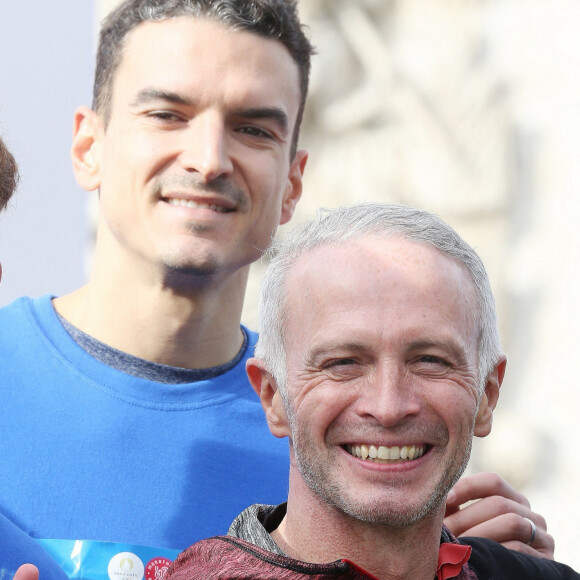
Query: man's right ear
point(267, 389)
point(85, 150)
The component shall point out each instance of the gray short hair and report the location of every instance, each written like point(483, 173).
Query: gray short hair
point(358, 222)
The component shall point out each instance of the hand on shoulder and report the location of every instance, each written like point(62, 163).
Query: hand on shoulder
point(498, 512)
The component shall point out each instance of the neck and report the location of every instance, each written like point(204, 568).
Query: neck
point(313, 531)
point(160, 318)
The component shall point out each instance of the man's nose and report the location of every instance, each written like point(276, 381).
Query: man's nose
point(205, 147)
point(389, 395)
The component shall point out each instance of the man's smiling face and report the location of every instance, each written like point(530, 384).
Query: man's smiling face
point(382, 383)
point(194, 165)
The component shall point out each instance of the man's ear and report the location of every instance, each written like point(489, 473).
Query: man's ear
point(85, 150)
point(267, 389)
point(489, 399)
point(294, 186)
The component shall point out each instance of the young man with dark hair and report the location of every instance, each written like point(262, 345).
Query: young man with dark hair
point(192, 148)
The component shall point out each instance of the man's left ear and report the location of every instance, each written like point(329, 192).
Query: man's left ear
point(489, 399)
point(294, 186)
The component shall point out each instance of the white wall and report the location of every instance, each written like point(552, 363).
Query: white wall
point(46, 67)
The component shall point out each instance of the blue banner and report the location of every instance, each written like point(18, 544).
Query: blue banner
point(91, 560)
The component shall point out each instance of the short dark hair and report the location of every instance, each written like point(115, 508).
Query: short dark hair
point(275, 19)
point(8, 175)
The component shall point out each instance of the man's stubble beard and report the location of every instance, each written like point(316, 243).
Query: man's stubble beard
point(182, 265)
point(318, 477)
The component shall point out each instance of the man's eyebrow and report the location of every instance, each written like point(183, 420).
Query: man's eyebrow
point(151, 95)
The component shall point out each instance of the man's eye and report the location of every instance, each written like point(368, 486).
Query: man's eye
point(433, 360)
point(253, 131)
point(339, 362)
point(166, 116)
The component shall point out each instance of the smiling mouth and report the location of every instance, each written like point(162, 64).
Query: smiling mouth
point(180, 202)
point(382, 454)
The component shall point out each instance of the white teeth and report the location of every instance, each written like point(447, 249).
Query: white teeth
point(196, 204)
point(372, 452)
point(383, 452)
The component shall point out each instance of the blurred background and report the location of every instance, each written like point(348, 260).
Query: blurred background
point(469, 108)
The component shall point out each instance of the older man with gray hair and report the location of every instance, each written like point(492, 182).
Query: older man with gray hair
point(379, 358)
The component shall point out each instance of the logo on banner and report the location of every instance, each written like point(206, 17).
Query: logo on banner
point(126, 566)
point(157, 568)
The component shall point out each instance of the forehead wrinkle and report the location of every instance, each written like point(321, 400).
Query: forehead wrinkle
point(241, 62)
point(408, 336)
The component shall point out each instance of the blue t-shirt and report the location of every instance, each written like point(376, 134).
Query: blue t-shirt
point(17, 548)
point(92, 453)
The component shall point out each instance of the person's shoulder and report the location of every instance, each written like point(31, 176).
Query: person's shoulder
point(15, 305)
point(219, 557)
point(25, 303)
point(14, 314)
point(227, 557)
point(492, 560)
point(25, 313)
